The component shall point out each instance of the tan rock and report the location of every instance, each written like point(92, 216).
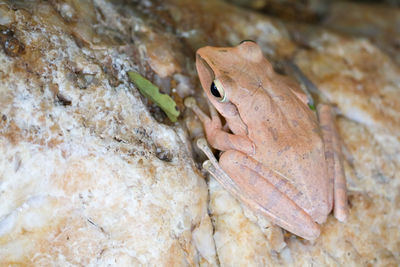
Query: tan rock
point(82, 181)
point(378, 23)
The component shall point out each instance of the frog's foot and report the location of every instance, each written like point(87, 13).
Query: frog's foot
point(191, 103)
point(218, 138)
point(258, 193)
point(333, 155)
point(212, 166)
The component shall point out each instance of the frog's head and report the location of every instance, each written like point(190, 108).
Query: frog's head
point(222, 71)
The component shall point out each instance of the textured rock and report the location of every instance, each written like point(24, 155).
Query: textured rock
point(82, 180)
point(91, 173)
point(378, 23)
point(307, 10)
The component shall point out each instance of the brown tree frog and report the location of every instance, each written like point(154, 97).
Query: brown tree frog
point(277, 156)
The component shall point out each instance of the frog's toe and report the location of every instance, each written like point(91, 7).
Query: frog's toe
point(207, 164)
point(202, 143)
point(189, 102)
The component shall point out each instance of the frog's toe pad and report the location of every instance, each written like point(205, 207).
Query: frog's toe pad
point(207, 165)
point(189, 102)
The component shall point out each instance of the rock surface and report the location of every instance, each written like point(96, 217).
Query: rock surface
point(93, 174)
point(378, 23)
point(88, 177)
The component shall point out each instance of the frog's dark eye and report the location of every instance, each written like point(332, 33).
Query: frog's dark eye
point(218, 91)
point(214, 91)
point(247, 41)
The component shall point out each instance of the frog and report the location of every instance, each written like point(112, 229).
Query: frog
point(277, 155)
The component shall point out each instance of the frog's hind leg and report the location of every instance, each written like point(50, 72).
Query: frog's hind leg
point(258, 193)
point(333, 155)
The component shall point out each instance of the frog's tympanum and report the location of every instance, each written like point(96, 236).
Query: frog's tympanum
point(280, 159)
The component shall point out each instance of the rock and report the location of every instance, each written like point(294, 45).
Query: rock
point(378, 23)
point(81, 182)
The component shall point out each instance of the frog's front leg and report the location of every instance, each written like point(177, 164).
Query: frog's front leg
point(234, 172)
point(333, 158)
point(218, 138)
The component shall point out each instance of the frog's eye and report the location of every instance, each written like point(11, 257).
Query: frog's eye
point(218, 91)
point(248, 40)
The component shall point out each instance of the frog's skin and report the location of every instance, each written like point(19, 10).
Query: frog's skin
point(280, 160)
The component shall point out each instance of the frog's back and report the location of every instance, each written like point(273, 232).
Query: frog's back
point(287, 119)
point(288, 139)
